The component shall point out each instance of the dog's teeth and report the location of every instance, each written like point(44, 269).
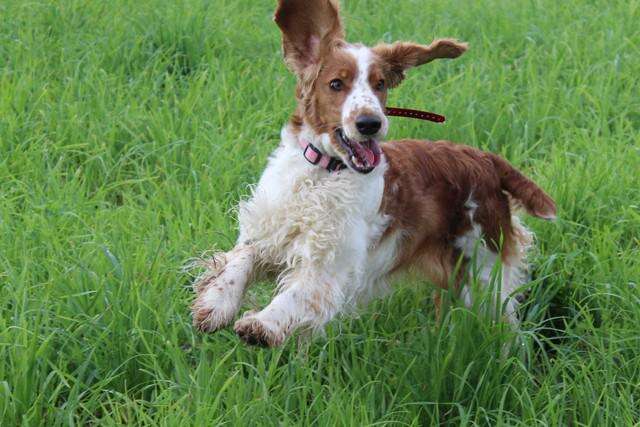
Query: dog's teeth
point(356, 161)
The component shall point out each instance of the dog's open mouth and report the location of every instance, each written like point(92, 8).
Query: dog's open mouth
point(362, 156)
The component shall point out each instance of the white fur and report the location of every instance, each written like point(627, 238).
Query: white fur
point(224, 282)
point(361, 96)
point(319, 228)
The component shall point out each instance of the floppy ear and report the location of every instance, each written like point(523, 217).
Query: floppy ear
point(401, 56)
point(308, 27)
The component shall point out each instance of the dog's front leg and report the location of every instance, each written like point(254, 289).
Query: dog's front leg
point(307, 300)
point(220, 288)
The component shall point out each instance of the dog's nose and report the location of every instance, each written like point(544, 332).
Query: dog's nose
point(368, 125)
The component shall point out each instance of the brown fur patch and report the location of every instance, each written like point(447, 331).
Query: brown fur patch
point(400, 56)
point(308, 28)
point(323, 105)
point(428, 189)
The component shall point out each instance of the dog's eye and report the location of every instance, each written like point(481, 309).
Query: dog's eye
point(380, 85)
point(336, 84)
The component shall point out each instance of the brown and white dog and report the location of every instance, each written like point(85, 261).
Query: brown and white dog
point(335, 213)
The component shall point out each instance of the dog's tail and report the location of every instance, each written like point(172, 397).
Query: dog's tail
point(525, 191)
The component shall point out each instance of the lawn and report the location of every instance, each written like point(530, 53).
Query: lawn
point(130, 129)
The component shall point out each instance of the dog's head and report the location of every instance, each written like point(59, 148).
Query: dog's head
point(342, 87)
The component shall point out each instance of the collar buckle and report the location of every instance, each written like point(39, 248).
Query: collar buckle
point(313, 157)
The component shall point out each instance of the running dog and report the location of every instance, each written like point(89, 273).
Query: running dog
point(336, 212)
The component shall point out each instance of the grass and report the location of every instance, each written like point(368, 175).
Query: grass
point(129, 130)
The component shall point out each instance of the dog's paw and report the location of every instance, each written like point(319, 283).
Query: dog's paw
point(208, 317)
point(253, 331)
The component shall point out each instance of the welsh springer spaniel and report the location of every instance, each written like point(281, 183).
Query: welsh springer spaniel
point(336, 212)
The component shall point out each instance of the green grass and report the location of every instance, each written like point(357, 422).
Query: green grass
point(130, 129)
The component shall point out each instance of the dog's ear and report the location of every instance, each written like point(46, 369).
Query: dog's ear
point(309, 27)
point(400, 56)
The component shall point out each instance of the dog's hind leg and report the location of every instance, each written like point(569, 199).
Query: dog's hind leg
point(220, 288)
point(445, 268)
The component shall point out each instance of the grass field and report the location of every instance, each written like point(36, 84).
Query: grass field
point(130, 129)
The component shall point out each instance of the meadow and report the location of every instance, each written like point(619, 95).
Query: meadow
point(130, 129)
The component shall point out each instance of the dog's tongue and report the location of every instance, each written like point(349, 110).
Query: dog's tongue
point(367, 154)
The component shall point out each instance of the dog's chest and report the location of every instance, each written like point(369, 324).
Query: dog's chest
point(298, 210)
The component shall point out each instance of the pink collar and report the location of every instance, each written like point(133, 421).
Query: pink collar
point(315, 157)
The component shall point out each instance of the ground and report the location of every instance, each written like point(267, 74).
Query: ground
point(129, 130)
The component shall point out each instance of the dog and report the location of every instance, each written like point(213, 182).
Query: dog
point(336, 213)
